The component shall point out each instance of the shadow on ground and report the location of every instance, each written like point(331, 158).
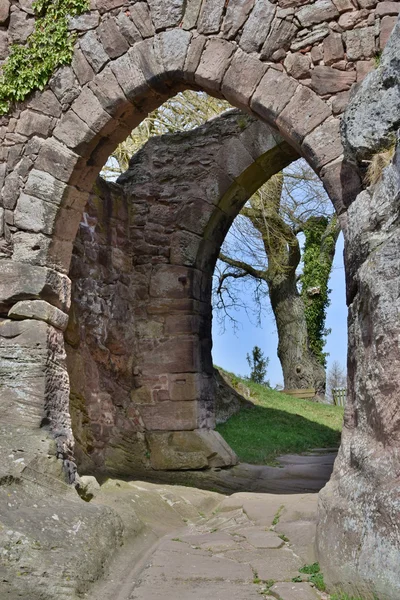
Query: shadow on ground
point(260, 434)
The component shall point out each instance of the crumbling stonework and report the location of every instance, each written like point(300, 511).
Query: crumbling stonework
point(290, 64)
point(358, 533)
point(139, 335)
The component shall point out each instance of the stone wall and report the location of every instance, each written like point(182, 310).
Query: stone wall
point(139, 334)
point(100, 337)
point(358, 534)
point(291, 65)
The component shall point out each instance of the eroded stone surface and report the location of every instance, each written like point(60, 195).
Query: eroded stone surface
point(72, 147)
point(360, 504)
point(367, 126)
point(293, 591)
point(193, 560)
point(135, 358)
point(40, 310)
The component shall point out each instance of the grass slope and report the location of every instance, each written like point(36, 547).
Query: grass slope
point(279, 424)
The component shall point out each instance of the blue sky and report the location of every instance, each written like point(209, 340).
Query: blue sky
point(230, 348)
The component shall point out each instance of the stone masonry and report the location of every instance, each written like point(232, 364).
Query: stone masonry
point(138, 346)
point(291, 64)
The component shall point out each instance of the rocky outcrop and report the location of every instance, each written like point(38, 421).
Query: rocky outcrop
point(373, 117)
point(358, 535)
point(53, 544)
point(228, 401)
point(56, 546)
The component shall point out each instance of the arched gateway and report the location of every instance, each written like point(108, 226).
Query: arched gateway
point(290, 64)
point(139, 338)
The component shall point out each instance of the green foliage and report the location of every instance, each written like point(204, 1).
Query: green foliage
point(318, 581)
point(377, 59)
point(316, 577)
point(258, 364)
point(268, 585)
point(280, 424)
point(277, 516)
point(316, 272)
point(30, 66)
point(310, 569)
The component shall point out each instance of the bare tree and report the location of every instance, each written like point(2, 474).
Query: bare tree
point(264, 247)
point(336, 378)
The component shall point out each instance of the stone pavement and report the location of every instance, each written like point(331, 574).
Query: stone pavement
point(241, 547)
point(295, 474)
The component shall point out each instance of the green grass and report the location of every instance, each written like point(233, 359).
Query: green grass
point(279, 424)
point(277, 516)
point(316, 577)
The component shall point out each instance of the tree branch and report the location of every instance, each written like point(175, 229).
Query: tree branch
point(238, 264)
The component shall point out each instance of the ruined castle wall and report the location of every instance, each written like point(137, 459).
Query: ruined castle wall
point(288, 63)
point(358, 533)
point(138, 346)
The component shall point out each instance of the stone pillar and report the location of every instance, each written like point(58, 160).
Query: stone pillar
point(138, 344)
point(358, 533)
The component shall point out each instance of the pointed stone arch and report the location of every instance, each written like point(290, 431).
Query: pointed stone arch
point(264, 57)
point(174, 222)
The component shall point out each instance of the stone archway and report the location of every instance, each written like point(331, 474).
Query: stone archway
point(263, 57)
point(139, 340)
point(129, 60)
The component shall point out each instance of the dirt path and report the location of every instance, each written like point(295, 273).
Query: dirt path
point(188, 544)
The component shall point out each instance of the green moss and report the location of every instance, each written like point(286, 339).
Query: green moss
point(30, 66)
point(277, 516)
point(242, 122)
point(377, 59)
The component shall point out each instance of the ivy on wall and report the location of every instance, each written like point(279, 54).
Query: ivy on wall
point(50, 45)
point(320, 239)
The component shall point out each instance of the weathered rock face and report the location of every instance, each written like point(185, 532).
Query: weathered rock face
point(228, 401)
point(290, 64)
point(373, 116)
point(128, 59)
point(358, 534)
point(139, 335)
point(33, 371)
point(101, 342)
point(53, 544)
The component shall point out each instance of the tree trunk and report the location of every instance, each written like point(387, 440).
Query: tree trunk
point(300, 318)
point(300, 367)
